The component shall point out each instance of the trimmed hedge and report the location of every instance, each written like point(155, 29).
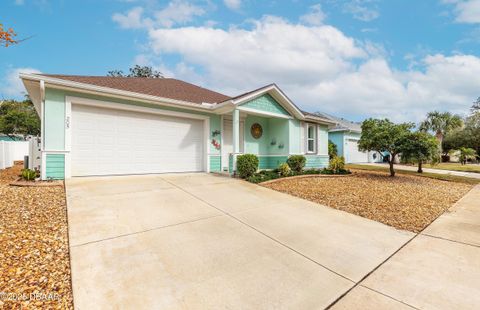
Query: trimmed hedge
point(264, 175)
point(247, 165)
point(267, 175)
point(297, 162)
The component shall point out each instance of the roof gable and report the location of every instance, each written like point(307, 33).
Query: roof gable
point(276, 94)
point(265, 103)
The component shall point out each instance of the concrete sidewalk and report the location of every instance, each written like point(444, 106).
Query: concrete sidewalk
point(472, 175)
point(438, 269)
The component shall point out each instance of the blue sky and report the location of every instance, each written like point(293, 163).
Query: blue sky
point(352, 58)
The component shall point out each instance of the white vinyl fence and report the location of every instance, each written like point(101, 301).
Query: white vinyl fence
point(11, 151)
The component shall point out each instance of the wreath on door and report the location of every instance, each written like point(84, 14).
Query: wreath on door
point(256, 130)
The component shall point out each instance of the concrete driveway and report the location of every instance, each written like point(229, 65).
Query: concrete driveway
point(202, 241)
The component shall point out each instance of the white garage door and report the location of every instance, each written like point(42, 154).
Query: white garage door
point(353, 154)
point(108, 142)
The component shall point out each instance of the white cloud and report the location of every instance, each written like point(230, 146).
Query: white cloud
point(315, 17)
point(273, 50)
point(466, 11)
point(11, 85)
point(374, 89)
point(233, 4)
point(176, 12)
point(19, 2)
point(148, 60)
point(132, 19)
point(319, 67)
point(364, 10)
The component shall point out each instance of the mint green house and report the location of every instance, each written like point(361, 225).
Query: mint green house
point(119, 126)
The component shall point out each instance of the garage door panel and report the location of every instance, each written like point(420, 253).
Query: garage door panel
point(354, 155)
point(106, 141)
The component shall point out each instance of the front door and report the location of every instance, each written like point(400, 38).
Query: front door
point(227, 144)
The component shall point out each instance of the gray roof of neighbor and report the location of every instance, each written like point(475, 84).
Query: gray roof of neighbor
point(343, 124)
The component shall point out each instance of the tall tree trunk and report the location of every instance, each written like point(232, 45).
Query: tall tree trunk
point(439, 136)
point(420, 170)
point(390, 162)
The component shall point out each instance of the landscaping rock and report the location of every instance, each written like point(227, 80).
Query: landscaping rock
point(404, 202)
point(34, 254)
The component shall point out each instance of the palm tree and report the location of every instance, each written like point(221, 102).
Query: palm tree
point(441, 123)
point(466, 153)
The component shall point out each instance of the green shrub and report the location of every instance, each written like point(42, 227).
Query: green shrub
point(28, 174)
point(284, 170)
point(247, 165)
point(331, 171)
point(296, 163)
point(263, 176)
point(337, 164)
point(332, 149)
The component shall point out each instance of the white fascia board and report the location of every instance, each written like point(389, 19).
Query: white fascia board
point(344, 130)
point(337, 130)
point(320, 121)
point(352, 131)
point(35, 93)
point(224, 107)
point(263, 113)
point(253, 95)
point(112, 92)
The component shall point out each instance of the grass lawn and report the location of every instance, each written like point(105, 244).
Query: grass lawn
point(404, 202)
point(34, 255)
point(443, 177)
point(456, 167)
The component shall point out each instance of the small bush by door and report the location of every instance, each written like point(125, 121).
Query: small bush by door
point(296, 163)
point(247, 165)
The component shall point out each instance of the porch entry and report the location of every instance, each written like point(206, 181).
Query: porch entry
point(270, 144)
point(227, 148)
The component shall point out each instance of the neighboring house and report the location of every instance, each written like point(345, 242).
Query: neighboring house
point(116, 125)
point(4, 137)
point(345, 135)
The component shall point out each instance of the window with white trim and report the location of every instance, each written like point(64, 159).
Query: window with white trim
point(311, 138)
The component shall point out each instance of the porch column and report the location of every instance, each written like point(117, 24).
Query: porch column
point(236, 136)
point(236, 131)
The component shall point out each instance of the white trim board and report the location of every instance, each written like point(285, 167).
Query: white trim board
point(263, 113)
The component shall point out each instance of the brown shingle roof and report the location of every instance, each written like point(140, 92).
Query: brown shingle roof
point(159, 87)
